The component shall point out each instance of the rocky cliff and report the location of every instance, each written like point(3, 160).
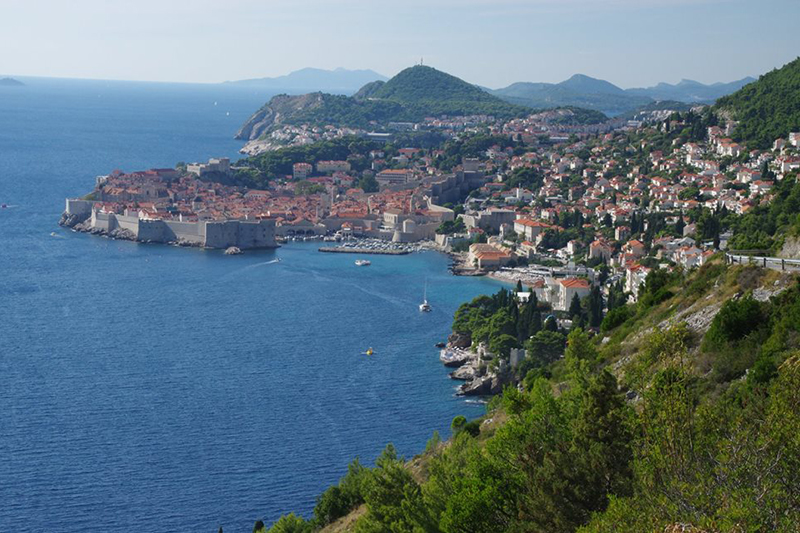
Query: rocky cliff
point(279, 110)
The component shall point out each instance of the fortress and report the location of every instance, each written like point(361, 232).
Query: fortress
point(83, 215)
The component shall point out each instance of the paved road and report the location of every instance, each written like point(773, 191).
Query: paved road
point(775, 263)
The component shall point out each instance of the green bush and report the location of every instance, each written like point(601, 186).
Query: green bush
point(291, 523)
point(616, 317)
point(458, 423)
point(473, 428)
point(340, 499)
point(735, 321)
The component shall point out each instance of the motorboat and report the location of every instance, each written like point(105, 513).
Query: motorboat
point(363, 262)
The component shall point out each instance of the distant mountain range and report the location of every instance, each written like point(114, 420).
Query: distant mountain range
point(578, 91)
point(10, 82)
point(338, 81)
point(592, 93)
point(421, 91)
point(691, 91)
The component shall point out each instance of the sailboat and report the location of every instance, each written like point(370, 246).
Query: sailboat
point(425, 307)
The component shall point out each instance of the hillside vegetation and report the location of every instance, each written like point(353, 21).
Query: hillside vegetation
point(767, 226)
point(766, 109)
point(688, 413)
point(412, 95)
point(424, 91)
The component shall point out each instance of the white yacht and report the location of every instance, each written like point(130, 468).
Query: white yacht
point(425, 307)
point(363, 262)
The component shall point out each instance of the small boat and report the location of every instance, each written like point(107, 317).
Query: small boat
point(425, 307)
point(440, 345)
point(363, 262)
point(368, 352)
point(4, 206)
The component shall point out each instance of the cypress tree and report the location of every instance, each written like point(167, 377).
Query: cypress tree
point(575, 307)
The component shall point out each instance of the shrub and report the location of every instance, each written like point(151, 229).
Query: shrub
point(458, 423)
point(340, 499)
point(473, 428)
point(291, 523)
point(616, 317)
point(735, 321)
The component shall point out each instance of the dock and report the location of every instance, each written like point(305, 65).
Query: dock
point(346, 250)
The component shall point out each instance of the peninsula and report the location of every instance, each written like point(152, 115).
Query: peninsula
point(10, 82)
point(172, 206)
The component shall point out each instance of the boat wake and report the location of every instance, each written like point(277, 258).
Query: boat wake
point(262, 264)
point(248, 268)
point(476, 402)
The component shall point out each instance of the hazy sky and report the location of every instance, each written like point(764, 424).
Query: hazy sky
point(489, 42)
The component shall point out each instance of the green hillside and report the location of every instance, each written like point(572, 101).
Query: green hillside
point(410, 96)
point(684, 418)
point(425, 91)
point(766, 109)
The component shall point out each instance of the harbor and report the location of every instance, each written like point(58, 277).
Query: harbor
point(378, 247)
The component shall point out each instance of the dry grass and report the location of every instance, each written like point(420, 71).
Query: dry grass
point(345, 523)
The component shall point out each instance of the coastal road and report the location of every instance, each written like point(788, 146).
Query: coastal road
point(774, 263)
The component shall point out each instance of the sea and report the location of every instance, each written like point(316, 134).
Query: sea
point(152, 388)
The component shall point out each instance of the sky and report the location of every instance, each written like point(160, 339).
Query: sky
point(632, 43)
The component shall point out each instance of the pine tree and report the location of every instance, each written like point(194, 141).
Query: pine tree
point(601, 446)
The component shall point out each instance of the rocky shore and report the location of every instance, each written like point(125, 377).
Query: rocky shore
point(82, 223)
point(470, 367)
point(459, 265)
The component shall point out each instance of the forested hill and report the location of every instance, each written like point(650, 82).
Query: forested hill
point(766, 109)
point(425, 91)
point(412, 95)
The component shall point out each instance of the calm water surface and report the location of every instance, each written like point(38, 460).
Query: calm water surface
point(160, 389)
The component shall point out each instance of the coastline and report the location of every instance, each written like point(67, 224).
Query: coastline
point(206, 234)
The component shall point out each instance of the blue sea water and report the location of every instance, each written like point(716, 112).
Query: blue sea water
point(151, 388)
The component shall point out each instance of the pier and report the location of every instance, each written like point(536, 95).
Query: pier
point(349, 250)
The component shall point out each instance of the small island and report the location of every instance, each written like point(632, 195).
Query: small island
point(10, 82)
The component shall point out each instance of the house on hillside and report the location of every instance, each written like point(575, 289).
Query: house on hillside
point(569, 287)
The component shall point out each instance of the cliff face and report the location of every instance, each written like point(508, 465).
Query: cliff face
point(791, 248)
point(278, 110)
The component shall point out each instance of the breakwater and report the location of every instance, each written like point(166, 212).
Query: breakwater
point(347, 250)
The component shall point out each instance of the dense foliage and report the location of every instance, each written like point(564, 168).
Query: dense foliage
point(270, 165)
point(768, 108)
point(499, 320)
point(766, 226)
point(424, 91)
